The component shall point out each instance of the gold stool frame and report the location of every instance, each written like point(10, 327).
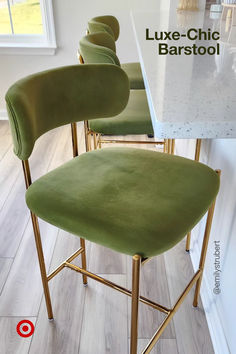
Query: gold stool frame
point(196, 158)
point(136, 265)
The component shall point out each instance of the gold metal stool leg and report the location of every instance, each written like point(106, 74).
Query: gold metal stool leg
point(74, 139)
point(196, 158)
point(83, 259)
point(42, 265)
point(76, 153)
point(169, 146)
point(204, 249)
point(86, 135)
point(135, 303)
point(95, 141)
point(26, 170)
point(188, 240)
point(198, 149)
point(172, 146)
point(81, 60)
point(99, 141)
point(165, 145)
point(89, 141)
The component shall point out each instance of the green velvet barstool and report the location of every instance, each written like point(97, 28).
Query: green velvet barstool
point(135, 119)
point(147, 200)
point(110, 24)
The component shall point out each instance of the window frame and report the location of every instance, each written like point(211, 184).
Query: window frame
point(33, 43)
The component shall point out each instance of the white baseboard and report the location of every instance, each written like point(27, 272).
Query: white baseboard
point(3, 114)
point(216, 330)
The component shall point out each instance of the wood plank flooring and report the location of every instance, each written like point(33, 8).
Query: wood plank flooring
point(88, 320)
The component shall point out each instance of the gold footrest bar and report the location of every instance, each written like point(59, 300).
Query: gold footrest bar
point(56, 271)
point(117, 287)
point(63, 264)
point(74, 255)
point(166, 321)
point(131, 142)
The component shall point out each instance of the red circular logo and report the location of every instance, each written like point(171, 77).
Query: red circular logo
point(25, 328)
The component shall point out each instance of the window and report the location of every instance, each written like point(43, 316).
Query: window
point(27, 25)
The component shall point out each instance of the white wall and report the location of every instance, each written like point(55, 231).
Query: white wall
point(220, 309)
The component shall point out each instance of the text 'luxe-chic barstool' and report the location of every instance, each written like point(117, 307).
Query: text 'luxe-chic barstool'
point(147, 200)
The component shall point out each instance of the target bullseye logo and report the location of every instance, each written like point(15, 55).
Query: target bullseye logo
point(25, 328)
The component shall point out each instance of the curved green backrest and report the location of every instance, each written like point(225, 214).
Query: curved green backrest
point(97, 48)
point(43, 101)
point(107, 23)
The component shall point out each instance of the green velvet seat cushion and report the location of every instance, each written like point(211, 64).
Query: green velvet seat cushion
point(134, 73)
point(135, 119)
point(131, 200)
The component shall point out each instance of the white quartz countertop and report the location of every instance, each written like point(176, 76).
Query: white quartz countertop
point(189, 96)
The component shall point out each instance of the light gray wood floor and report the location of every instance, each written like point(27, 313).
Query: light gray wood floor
point(92, 320)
